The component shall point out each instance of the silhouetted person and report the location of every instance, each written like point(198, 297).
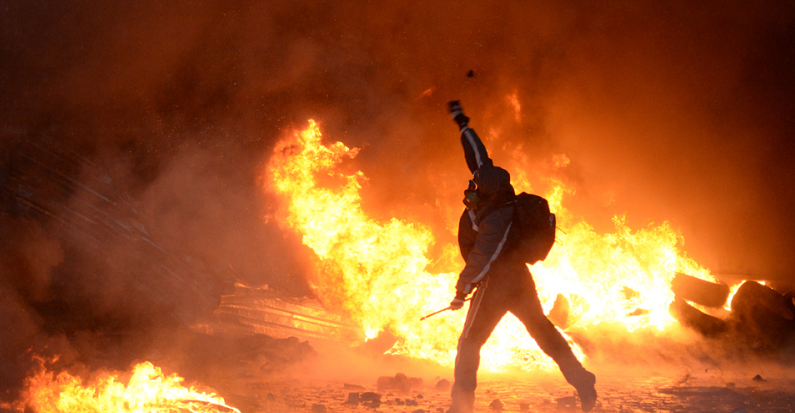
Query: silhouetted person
point(501, 282)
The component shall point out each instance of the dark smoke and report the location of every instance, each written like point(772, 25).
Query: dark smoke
point(674, 111)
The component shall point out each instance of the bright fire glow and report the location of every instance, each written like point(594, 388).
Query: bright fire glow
point(376, 271)
point(148, 391)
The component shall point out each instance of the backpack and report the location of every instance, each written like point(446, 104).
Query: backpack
point(536, 228)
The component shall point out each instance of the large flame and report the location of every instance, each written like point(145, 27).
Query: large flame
point(376, 271)
point(147, 390)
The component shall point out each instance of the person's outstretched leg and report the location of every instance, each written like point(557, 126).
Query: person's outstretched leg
point(529, 311)
point(485, 312)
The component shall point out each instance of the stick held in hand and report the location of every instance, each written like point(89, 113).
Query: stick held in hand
point(437, 312)
point(441, 311)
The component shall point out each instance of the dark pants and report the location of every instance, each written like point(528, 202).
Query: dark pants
point(509, 287)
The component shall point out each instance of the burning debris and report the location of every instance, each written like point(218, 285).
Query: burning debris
point(212, 362)
point(147, 389)
point(760, 318)
point(378, 272)
point(664, 123)
point(106, 292)
point(261, 311)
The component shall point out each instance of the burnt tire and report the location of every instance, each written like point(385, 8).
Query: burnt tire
point(751, 293)
point(694, 318)
point(763, 316)
point(701, 292)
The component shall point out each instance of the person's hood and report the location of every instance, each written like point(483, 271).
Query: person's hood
point(494, 183)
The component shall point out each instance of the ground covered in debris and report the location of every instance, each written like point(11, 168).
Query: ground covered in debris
point(684, 391)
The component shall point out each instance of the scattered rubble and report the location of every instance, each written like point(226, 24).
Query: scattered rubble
point(370, 397)
point(496, 404)
point(353, 399)
point(640, 393)
point(400, 383)
point(443, 385)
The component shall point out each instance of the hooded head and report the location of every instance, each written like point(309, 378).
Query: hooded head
point(494, 184)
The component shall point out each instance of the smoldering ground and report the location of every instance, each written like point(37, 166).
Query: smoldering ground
point(668, 111)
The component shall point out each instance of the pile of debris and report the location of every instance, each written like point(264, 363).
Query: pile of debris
point(760, 317)
point(259, 310)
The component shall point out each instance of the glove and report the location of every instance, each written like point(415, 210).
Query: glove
point(458, 301)
point(456, 304)
point(457, 113)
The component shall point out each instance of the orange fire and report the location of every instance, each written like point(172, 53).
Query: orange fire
point(148, 390)
point(376, 271)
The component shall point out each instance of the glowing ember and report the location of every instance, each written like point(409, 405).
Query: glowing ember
point(148, 390)
point(376, 271)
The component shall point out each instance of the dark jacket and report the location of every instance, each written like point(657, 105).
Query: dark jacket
point(483, 233)
point(482, 241)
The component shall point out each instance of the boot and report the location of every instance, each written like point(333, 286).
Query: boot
point(463, 401)
point(586, 391)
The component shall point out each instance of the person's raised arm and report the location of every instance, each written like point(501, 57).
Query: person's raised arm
point(474, 151)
